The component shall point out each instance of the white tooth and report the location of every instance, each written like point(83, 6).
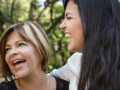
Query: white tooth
point(66, 35)
point(16, 61)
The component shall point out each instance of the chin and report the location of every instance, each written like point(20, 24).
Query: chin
point(70, 49)
point(21, 74)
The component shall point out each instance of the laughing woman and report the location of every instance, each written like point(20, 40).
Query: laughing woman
point(94, 27)
point(25, 53)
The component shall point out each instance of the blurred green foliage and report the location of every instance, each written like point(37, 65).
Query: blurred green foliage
point(49, 17)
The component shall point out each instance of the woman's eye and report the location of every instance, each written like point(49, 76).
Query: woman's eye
point(69, 18)
point(7, 49)
point(22, 44)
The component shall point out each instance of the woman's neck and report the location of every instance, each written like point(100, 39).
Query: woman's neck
point(34, 82)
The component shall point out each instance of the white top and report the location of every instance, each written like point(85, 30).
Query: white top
point(70, 71)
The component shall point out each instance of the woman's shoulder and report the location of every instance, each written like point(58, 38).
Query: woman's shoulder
point(8, 85)
point(61, 84)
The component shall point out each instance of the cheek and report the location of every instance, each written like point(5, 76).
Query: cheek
point(28, 54)
point(7, 59)
point(70, 26)
point(24, 52)
point(79, 37)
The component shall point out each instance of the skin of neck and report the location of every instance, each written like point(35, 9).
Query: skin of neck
point(37, 81)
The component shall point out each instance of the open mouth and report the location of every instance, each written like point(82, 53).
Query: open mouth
point(68, 35)
point(18, 62)
point(69, 38)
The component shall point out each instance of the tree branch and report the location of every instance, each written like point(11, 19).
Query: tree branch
point(51, 12)
point(46, 4)
point(41, 12)
point(55, 23)
point(12, 8)
point(55, 33)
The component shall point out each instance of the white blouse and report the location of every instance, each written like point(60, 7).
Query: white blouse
point(70, 71)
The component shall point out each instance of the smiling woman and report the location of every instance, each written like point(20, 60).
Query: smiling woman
point(94, 27)
point(25, 53)
point(73, 27)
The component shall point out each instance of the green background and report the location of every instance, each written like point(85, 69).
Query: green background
point(48, 14)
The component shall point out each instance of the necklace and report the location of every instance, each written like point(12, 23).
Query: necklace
point(19, 84)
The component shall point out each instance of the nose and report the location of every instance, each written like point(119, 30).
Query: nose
point(13, 52)
point(63, 25)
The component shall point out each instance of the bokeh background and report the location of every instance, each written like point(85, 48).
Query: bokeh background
point(47, 13)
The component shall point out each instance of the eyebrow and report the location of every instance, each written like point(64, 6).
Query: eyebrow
point(15, 42)
point(68, 13)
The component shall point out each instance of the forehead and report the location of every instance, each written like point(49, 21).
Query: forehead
point(71, 7)
point(13, 36)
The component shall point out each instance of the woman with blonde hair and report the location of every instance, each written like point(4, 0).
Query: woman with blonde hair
point(25, 53)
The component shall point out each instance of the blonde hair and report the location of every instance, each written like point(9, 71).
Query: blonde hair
point(33, 33)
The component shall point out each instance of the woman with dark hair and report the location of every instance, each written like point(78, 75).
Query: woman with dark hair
point(94, 30)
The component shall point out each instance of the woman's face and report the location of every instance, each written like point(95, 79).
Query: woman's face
point(21, 56)
point(73, 28)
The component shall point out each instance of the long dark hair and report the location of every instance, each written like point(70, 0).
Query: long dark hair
point(100, 68)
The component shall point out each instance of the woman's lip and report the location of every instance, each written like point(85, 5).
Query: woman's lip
point(69, 40)
point(17, 66)
point(66, 32)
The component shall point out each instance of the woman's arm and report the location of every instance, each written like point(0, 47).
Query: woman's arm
point(2, 79)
